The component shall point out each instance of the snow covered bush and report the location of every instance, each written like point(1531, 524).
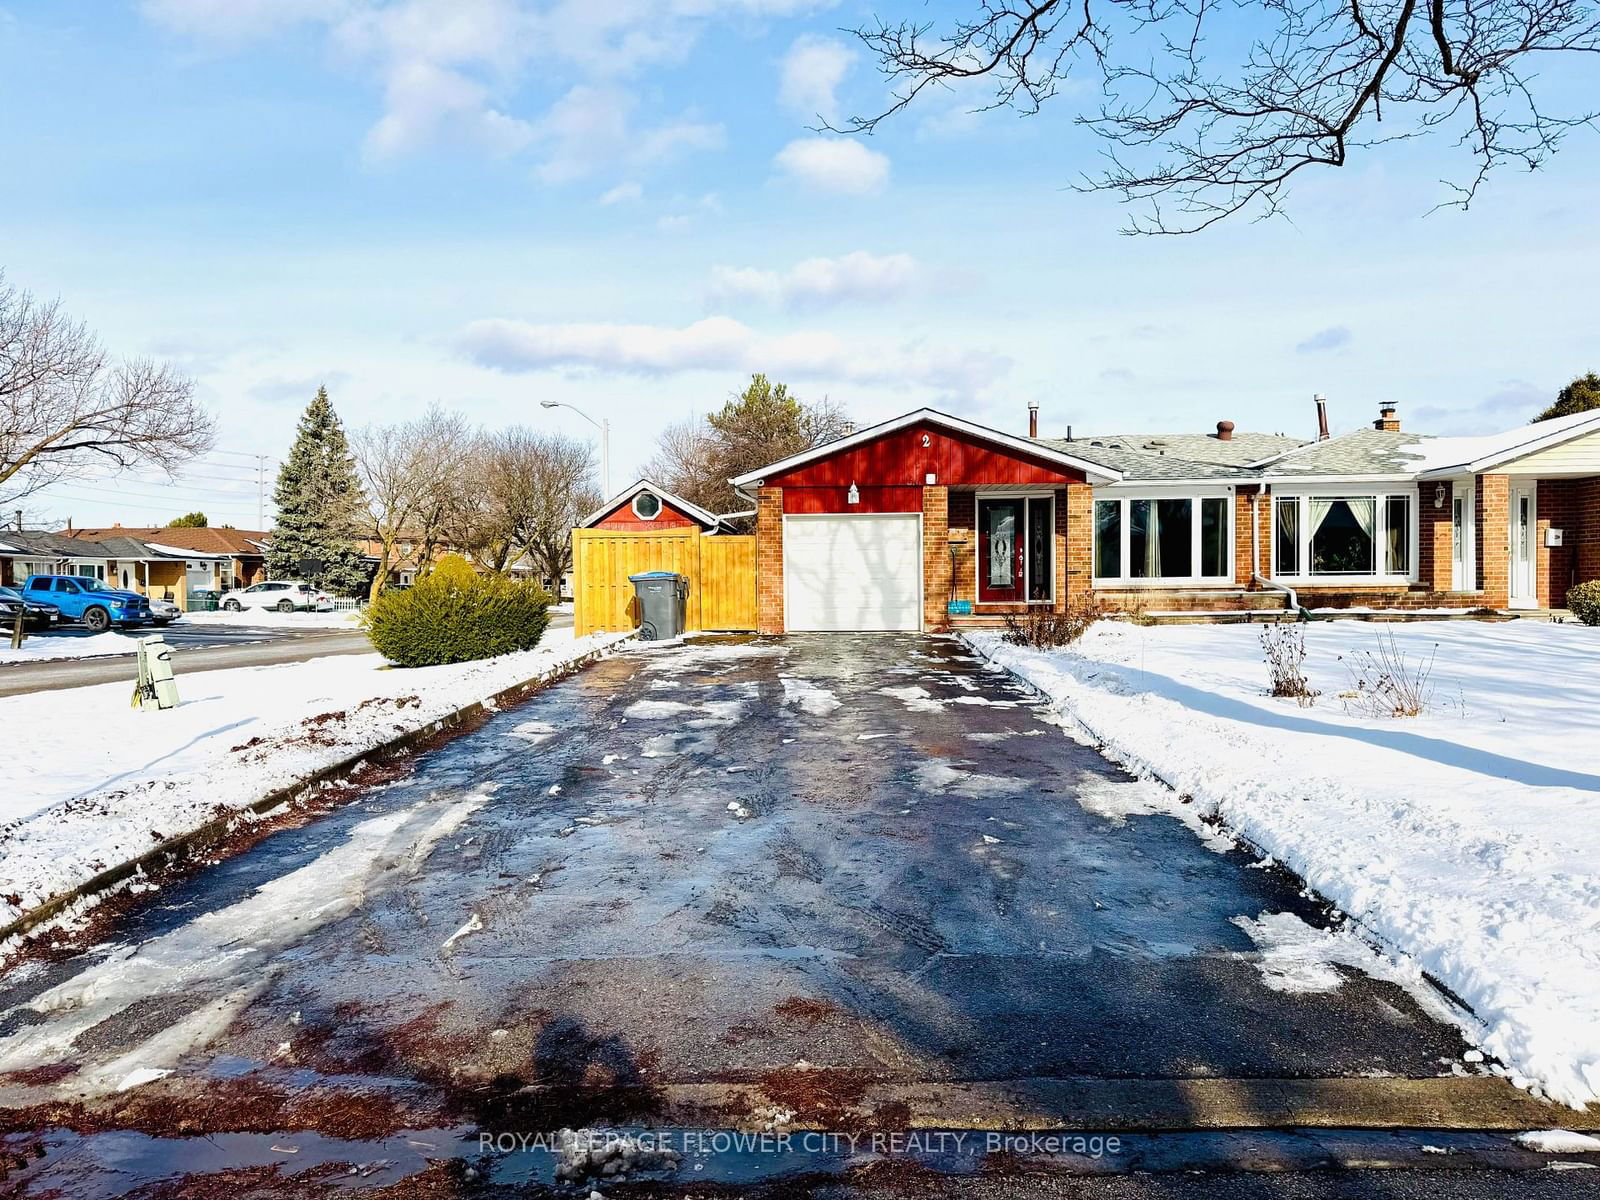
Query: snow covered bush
point(1046, 630)
point(1584, 601)
point(1284, 647)
point(1386, 683)
point(454, 614)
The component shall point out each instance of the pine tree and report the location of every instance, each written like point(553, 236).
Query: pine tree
point(321, 507)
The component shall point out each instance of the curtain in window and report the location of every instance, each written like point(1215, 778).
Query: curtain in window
point(1366, 514)
point(1152, 541)
point(1397, 514)
point(1288, 536)
point(1320, 509)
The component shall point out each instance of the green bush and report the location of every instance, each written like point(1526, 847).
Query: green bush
point(454, 616)
point(1584, 601)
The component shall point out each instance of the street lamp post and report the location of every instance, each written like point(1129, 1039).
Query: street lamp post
point(604, 426)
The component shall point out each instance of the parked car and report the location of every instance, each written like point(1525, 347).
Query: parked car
point(36, 614)
point(86, 599)
point(164, 612)
point(280, 595)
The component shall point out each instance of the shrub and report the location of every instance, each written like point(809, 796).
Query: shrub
point(1385, 683)
point(451, 615)
point(1584, 601)
point(1046, 630)
point(1285, 649)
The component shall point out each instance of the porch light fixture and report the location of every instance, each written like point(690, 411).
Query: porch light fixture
point(854, 495)
point(1438, 495)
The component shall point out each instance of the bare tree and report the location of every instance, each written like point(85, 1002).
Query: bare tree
point(410, 471)
point(530, 489)
point(66, 405)
point(1207, 115)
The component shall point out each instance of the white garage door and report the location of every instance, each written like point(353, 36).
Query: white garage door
point(855, 573)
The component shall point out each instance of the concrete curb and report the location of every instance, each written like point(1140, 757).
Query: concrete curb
point(216, 830)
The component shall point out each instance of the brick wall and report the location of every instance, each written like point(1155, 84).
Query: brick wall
point(1435, 539)
point(935, 557)
point(963, 517)
point(769, 560)
point(1074, 544)
point(1493, 500)
point(1586, 532)
point(1557, 509)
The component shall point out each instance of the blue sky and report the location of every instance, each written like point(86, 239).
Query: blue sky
point(487, 203)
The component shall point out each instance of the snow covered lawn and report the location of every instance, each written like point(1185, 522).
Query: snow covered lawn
point(265, 618)
point(41, 647)
point(1467, 837)
point(91, 782)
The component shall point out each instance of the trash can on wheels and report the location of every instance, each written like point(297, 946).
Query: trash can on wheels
point(663, 604)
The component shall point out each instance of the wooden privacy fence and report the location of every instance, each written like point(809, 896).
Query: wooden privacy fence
point(721, 571)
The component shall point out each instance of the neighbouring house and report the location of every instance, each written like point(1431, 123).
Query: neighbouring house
point(127, 562)
point(218, 559)
point(930, 521)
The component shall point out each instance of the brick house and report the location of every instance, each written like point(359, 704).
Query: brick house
point(219, 559)
point(930, 521)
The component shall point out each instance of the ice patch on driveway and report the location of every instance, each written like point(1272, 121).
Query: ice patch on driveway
point(915, 698)
point(1295, 957)
point(655, 710)
point(1559, 1141)
point(808, 697)
point(1117, 800)
point(532, 731)
point(939, 776)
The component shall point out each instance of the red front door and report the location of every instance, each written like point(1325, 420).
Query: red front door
point(1000, 551)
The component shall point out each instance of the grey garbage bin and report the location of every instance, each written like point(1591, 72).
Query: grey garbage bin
point(663, 604)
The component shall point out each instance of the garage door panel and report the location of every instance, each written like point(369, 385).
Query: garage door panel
point(853, 573)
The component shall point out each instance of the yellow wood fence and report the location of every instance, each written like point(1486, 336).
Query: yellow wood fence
point(721, 572)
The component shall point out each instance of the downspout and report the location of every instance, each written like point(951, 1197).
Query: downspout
point(1291, 602)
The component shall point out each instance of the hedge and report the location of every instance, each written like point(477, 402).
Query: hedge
point(1584, 601)
point(454, 616)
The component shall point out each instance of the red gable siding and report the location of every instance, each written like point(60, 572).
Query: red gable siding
point(900, 459)
point(622, 517)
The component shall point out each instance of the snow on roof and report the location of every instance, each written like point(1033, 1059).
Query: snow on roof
point(180, 552)
point(1447, 454)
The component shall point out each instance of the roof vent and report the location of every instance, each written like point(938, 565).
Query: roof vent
point(1224, 431)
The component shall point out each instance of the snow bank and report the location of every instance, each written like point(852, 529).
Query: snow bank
point(41, 647)
point(91, 782)
point(266, 618)
point(1467, 838)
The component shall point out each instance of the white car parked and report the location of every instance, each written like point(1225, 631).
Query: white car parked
point(164, 612)
point(280, 595)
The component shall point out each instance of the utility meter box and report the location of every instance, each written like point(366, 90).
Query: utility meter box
point(1552, 537)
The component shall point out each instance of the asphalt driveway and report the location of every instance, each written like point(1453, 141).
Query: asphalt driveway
point(804, 880)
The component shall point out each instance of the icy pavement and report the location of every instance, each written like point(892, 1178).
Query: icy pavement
point(674, 872)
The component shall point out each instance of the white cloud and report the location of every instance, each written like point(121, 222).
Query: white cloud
point(592, 126)
point(817, 283)
point(835, 165)
point(813, 69)
point(725, 345)
point(450, 68)
point(623, 193)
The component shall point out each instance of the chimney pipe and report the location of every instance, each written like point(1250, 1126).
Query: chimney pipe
point(1387, 420)
point(1322, 416)
point(1033, 418)
point(1224, 431)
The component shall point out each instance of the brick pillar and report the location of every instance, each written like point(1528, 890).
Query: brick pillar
point(769, 560)
point(1494, 551)
point(1245, 500)
point(935, 557)
point(1079, 532)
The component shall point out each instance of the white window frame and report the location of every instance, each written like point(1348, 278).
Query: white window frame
point(95, 569)
point(1028, 498)
point(661, 505)
point(1194, 496)
point(1305, 577)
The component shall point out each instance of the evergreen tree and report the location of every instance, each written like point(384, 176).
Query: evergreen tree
point(321, 508)
point(1581, 395)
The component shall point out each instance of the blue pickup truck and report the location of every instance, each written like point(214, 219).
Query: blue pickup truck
point(81, 598)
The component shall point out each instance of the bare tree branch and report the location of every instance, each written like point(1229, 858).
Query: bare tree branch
point(1211, 111)
point(66, 406)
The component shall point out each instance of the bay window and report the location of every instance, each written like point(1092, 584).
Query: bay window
point(1163, 539)
point(1347, 535)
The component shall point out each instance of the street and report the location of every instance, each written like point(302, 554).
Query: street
point(199, 648)
point(832, 883)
